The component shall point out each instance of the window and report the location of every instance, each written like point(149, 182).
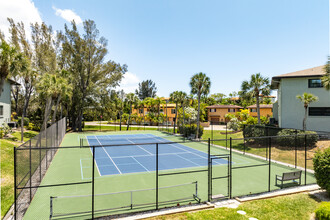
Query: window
point(141, 111)
point(1, 110)
point(253, 110)
point(161, 110)
point(319, 111)
point(213, 110)
point(314, 83)
point(173, 111)
point(231, 110)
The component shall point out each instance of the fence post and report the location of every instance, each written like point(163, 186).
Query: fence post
point(30, 171)
point(51, 208)
point(305, 159)
point(269, 161)
point(15, 193)
point(157, 189)
point(230, 165)
point(295, 149)
point(46, 147)
point(40, 154)
point(226, 134)
point(209, 170)
point(93, 181)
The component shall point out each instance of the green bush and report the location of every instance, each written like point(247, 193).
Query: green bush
point(233, 124)
point(323, 211)
point(26, 121)
point(321, 163)
point(4, 130)
point(312, 138)
point(187, 130)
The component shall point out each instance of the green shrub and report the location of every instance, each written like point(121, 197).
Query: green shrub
point(253, 131)
point(323, 211)
point(4, 130)
point(321, 163)
point(187, 130)
point(233, 124)
point(26, 121)
point(312, 138)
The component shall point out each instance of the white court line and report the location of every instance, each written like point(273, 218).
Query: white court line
point(92, 158)
point(186, 150)
point(140, 147)
point(141, 165)
point(108, 154)
point(81, 168)
point(188, 160)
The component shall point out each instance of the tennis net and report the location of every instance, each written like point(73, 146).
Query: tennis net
point(82, 204)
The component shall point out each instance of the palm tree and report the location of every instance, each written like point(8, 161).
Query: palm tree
point(131, 99)
point(306, 98)
point(182, 96)
point(200, 84)
point(326, 77)
point(174, 97)
point(158, 102)
point(11, 61)
point(255, 87)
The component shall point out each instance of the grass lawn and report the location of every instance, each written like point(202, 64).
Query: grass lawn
point(7, 168)
point(298, 206)
point(279, 154)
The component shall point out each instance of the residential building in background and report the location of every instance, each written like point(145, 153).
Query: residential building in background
point(265, 110)
point(216, 113)
point(289, 111)
point(5, 101)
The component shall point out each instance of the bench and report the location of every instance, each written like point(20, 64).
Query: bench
point(288, 176)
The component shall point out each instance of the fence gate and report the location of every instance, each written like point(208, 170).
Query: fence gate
point(219, 176)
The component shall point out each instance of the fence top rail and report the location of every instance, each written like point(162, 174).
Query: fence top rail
point(163, 143)
point(40, 134)
point(278, 128)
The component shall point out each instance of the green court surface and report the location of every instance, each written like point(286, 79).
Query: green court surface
point(67, 167)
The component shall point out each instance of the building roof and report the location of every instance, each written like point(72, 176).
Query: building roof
point(311, 72)
point(261, 106)
point(224, 106)
point(12, 82)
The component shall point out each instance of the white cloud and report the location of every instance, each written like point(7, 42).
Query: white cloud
point(19, 10)
point(68, 15)
point(130, 82)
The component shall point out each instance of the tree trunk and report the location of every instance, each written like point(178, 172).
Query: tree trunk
point(305, 118)
point(176, 116)
point(198, 114)
point(26, 103)
point(120, 120)
point(55, 111)
point(183, 115)
point(258, 108)
point(61, 111)
point(129, 117)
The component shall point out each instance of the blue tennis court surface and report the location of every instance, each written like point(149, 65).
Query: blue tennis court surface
point(141, 158)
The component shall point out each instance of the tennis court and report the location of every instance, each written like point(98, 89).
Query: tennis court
point(126, 158)
point(125, 176)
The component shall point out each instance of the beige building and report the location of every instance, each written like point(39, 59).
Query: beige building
point(265, 110)
point(216, 113)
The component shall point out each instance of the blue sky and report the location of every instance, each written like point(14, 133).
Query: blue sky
point(169, 41)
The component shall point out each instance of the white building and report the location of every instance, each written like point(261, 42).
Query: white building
point(5, 101)
point(289, 111)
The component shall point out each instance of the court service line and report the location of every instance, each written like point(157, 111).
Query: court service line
point(185, 149)
point(108, 155)
point(139, 146)
point(189, 160)
point(141, 165)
